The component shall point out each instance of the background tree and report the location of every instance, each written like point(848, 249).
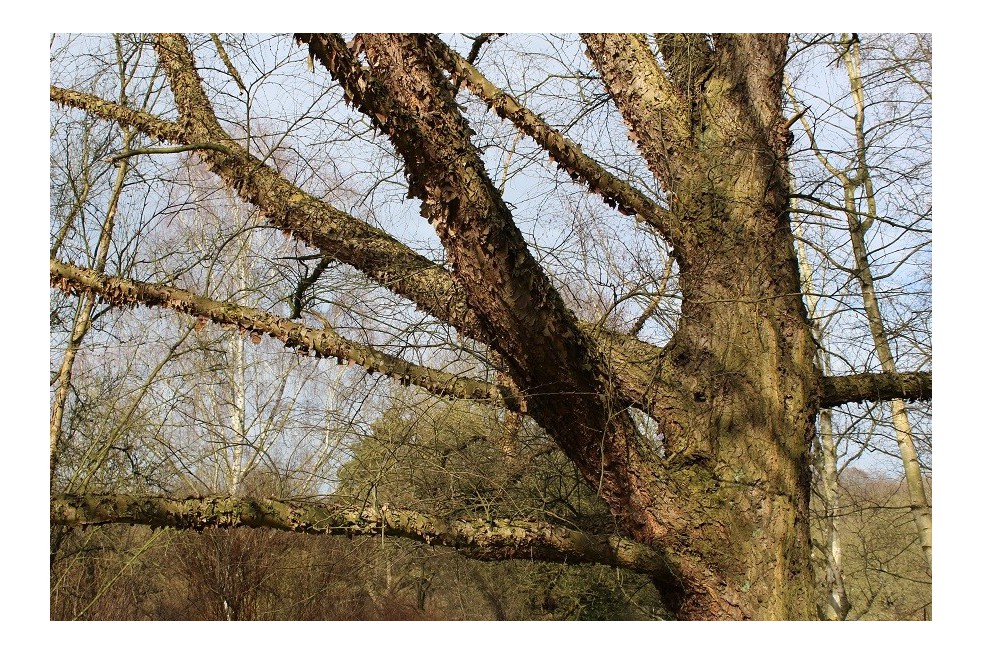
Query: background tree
point(673, 366)
point(866, 148)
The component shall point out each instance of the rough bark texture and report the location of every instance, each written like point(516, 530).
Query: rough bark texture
point(494, 539)
point(735, 392)
point(320, 343)
point(842, 389)
point(738, 429)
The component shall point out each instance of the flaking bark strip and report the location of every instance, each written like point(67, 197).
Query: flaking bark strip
point(322, 343)
point(480, 539)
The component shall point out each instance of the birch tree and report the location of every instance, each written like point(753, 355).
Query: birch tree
point(868, 150)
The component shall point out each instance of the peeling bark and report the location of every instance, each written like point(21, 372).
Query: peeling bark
point(567, 154)
point(739, 422)
point(490, 540)
point(321, 343)
point(735, 392)
point(565, 382)
point(382, 258)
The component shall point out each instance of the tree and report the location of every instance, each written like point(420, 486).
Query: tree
point(714, 505)
point(850, 162)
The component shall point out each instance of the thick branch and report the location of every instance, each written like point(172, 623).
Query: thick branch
point(567, 384)
point(321, 343)
point(338, 235)
point(567, 154)
point(520, 306)
point(842, 389)
point(499, 539)
point(149, 124)
point(645, 97)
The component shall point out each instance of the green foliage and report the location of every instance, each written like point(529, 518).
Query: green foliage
point(461, 459)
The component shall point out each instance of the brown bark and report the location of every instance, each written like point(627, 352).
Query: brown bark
point(565, 382)
point(738, 430)
point(567, 154)
point(321, 343)
point(735, 392)
point(491, 540)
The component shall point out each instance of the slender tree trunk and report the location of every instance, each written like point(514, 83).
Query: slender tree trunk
point(238, 466)
point(858, 224)
point(837, 606)
point(838, 600)
point(83, 319)
point(919, 505)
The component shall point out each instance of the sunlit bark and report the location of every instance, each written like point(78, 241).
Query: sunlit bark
point(718, 512)
point(489, 540)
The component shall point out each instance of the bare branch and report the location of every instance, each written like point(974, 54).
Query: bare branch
point(842, 389)
point(168, 151)
point(644, 95)
point(147, 123)
point(567, 154)
point(560, 369)
point(339, 236)
point(496, 539)
point(232, 70)
point(321, 343)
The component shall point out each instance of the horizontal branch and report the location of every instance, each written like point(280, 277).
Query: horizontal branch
point(566, 153)
point(168, 151)
point(323, 343)
point(842, 389)
point(493, 540)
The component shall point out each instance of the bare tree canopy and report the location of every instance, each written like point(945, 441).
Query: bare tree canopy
point(665, 259)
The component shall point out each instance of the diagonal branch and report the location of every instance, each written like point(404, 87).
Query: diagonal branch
point(520, 307)
point(567, 154)
point(492, 540)
point(842, 389)
point(149, 124)
point(321, 343)
point(339, 236)
point(646, 98)
point(567, 383)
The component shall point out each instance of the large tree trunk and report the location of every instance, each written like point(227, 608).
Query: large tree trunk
point(738, 434)
point(739, 420)
point(724, 509)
